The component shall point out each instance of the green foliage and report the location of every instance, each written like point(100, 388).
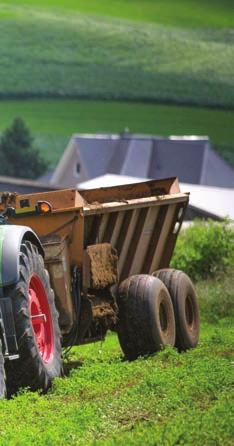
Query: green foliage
point(17, 157)
point(204, 249)
point(216, 297)
point(96, 56)
point(54, 121)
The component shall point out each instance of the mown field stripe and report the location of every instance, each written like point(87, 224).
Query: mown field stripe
point(196, 13)
point(93, 56)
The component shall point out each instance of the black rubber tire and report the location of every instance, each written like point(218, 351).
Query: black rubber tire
point(142, 300)
point(2, 375)
point(30, 370)
point(185, 305)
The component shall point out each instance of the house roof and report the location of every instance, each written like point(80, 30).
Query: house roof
point(22, 185)
point(189, 157)
point(218, 201)
point(108, 180)
point(96, 158)
point(183, 157)
point(215, 201)
point(94, 151)
point(46, 176)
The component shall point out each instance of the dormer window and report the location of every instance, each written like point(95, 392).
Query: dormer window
point(77, 170)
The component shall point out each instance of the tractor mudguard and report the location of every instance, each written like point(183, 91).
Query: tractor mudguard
point(11, 238)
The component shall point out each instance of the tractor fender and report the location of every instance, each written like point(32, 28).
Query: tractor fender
point(11, 238)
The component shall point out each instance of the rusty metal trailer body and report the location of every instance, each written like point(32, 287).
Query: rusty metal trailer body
point(94, 240)
point(141, 221)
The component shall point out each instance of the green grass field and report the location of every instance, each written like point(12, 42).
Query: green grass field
point(164, 400)
point(52, 122)
point(190, 13)
point(162, 51)
point(47, 50)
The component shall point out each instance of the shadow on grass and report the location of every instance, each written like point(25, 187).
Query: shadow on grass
point(70, 365)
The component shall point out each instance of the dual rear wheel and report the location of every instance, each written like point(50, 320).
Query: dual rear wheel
point(157, 310)
point(185, 306)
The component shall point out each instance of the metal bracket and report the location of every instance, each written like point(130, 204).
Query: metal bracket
point(8, 327)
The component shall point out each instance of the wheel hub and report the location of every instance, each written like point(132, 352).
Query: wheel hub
point(41, 318)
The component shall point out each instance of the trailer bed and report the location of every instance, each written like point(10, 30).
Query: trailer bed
point(141, 221)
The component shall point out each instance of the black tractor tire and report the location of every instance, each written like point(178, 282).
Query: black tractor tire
point(146, 317)
point(36, 323)
point(2, 374)
point(185, 305)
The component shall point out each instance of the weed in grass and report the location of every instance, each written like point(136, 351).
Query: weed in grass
point(216, 297)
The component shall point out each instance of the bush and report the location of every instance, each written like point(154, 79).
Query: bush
point(17, 156)
point(204, 249)
point(216, 297)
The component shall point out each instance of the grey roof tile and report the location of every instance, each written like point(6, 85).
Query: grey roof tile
point(179, 158)
point(138, 157)
point(96, 155)
point(216, 171)
point(117, 160)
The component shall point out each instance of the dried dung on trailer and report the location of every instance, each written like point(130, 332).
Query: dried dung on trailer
point(102, 259)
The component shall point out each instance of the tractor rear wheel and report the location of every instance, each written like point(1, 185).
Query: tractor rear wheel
point(146, 316)
point(36, 323)
point(185, 306)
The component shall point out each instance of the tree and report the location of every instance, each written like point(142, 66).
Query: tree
point(17, 155)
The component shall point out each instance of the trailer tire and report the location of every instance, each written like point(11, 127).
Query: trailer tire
point(185, 305)
point(146, 316)
point(36, 323)
point(2, 374)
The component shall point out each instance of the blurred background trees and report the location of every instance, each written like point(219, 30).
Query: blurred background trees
point(18, 157)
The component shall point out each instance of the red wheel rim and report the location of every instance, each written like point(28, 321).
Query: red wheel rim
point(41, 318)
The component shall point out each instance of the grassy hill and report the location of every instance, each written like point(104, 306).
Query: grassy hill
point(52, 51)
point(164, 52)
point(186, 13)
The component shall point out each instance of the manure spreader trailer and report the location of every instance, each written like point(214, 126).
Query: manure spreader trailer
point(77, 264)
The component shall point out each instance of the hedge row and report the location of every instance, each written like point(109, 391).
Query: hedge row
point(204, 249)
